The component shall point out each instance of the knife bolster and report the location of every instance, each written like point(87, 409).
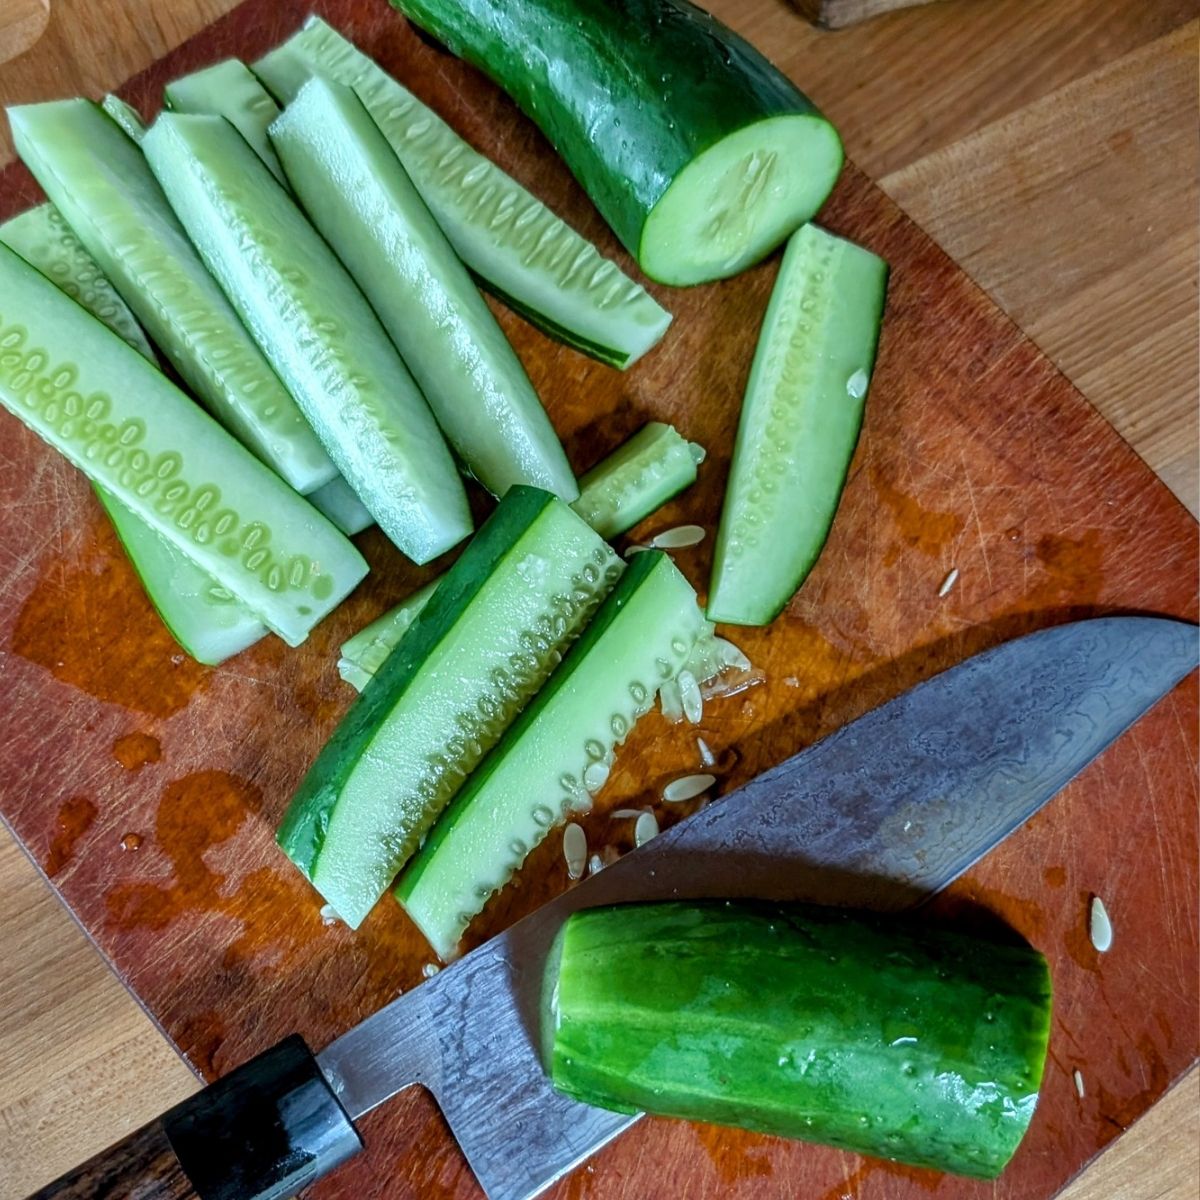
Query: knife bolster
point(264, 1131)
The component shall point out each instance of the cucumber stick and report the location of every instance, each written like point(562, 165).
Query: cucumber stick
point(126, 116)
point(129, 429)
point(799, 424)
point(699, 153)
point(316, 329)
point(556, 753)
point(340, 503)
point(873, 1034)
point(229, 89)
point(638, 477)
point(519, 249)
point(496, 627)
point(98, 180)
point(360, 199)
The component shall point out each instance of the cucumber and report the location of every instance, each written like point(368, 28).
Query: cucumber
point(699, 153)
point(512, 242)
point(128, 428)
point(873, 1034)
point(358, 196)
point(315, 328)
point(799, 425)
point(638, 477)
point(45, 241)
point(97, 178)
point(126, 116)
point(338, 501)
point(229, 89)
point(556, 753)
point(496, 627)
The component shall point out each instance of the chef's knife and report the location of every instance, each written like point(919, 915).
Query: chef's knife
point(882, 814)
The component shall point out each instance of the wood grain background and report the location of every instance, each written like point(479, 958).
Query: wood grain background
point(1051, 148)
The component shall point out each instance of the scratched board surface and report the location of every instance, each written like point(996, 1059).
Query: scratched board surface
point(148, 787)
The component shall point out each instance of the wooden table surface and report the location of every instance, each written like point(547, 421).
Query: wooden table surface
point(1050, 146)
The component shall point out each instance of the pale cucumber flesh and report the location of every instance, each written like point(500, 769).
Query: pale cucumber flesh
point(338, 501)
point(98, 179)
point(126, 116)
point(556, 753)
point(360, 199)
point(363, 654)
point(507, 237)
point(799, 424)
point(316, 329)
point(495, 629)
point(130, 430)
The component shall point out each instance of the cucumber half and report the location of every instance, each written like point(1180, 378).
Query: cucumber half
point(511, 241)
point(799, 424)
point(556, 753)
point(492, 633)
point(317, 330)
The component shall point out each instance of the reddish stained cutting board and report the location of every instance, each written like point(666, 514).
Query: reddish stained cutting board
point(977, 454)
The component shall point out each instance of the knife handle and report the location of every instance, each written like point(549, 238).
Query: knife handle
point(262, 1132)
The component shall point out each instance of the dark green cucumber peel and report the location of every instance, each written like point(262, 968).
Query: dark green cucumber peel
point(870, 1033)
point(699, 153)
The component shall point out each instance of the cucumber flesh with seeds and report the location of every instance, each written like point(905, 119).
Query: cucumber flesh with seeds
point(230, 89)
point(45, 241)
point(873, 1034)
point(128, 428)
point(799, 424)
point(98, 179)
point(126, 116)
point(512, 242)
point(701, 155)
point(339, 502)
point(639, 476)
point(556, 753)
point(315, 328)
point(360, 199)
point(495, 628)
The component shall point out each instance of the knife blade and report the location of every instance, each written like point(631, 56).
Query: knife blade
point(883, 814)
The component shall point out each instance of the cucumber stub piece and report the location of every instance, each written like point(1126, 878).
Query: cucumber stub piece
point(337, 500)
point(496, 627)
point(799, 424)
point(126, 116)
point(229, 89)
point(129, 429)
point(316, 329)
point(872, 1034)
point(363, 654)
point(556, 753)
point(45, 241)
point(98, 179)
point(701, 155)
point(360, 199)
point(513, 243)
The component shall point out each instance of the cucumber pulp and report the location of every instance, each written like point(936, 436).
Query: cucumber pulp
point(799, 424)
point(126, 116)
point(511, 241)
point(556, 753)
point(639, 476)
point(338, 501)
point(316, 329)
point(229, 89)
point(699, 153)
point(98, 179)
point(129, 429)
point(494, 630)
point(360, 199)
point(873, 1034)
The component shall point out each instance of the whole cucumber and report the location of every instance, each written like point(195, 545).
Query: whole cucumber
point(699, 153)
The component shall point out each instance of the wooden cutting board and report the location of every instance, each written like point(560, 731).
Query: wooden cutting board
point(977, 454)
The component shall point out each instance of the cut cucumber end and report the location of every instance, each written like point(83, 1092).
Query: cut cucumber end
point(733, 204)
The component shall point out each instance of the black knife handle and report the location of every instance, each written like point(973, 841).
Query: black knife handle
point(262, 1132)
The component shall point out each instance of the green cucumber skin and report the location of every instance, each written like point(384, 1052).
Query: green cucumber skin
point(868, 1033)
point(535, 776)
point(439, 703)
point(99, 180)
point(363, 654)
point(316, 329)
point(788, 472)
point(362, 201)
point(652, 84)
point(129, 429)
